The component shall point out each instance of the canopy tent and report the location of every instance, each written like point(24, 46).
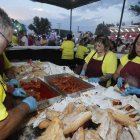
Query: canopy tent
point(67, 4)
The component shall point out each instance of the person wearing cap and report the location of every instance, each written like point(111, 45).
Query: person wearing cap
point(101, 63)
point(11, 119)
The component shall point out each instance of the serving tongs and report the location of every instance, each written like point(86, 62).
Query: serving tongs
point(48, 102)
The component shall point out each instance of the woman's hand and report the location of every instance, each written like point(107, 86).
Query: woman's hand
point(31, 102)
point(131, 90)
point(19, 92)
point(120, 82)
point(14, 82)
point(82, 73)
point(94, 80)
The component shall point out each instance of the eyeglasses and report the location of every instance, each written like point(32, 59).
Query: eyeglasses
point(3, 85)
point(9, 44)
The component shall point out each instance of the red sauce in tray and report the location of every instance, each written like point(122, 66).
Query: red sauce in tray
point(38, 89)
point(46, 92)
point(68, 84)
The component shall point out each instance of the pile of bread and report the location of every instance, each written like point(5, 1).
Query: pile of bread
point(79, 122)
point(30, 70)
point(126, 109)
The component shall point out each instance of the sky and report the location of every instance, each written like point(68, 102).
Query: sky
point(85, 18)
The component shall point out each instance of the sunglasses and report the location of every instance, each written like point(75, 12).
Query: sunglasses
point(9, 44)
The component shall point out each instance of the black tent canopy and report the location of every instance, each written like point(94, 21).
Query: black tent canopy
point(67, 4)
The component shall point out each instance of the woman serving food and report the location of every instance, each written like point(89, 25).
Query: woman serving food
point(129, 70)
point(101, 63)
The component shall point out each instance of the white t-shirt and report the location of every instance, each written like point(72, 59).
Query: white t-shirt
point(25, 40)
point(119, 48)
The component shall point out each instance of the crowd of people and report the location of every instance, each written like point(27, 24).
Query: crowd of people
point(117, 45)
point(85, 44)
point(99, 66)
point(22, 39)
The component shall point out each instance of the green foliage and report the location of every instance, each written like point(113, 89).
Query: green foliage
point(135, 9)
point(19, 26)
point(123, 23)
point(40, 25)
point(23, 28)
point(102, 29)
point(63, 33)
point(117, 24)
point(137, 23)
point(110, 25)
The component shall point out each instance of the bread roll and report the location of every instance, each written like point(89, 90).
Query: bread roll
point(51, 114)
point(135, 133)
point(80, 108)
point(75, 120)
point(54, 131)
point(123, 119)
point(79, 134)
point(69, 108)
point(44, 124)
point(91, 135)
point(109, 128)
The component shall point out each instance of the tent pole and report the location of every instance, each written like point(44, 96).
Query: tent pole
point(70, 20)
point(120, 22)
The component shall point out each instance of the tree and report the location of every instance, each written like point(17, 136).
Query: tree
point(135, 9)
point(137, 23)
point(132, 22)
point(18, 26)
point(110, 25)
point(117, 24)
point(123, 23)
point(40, 25)
point(102, 29)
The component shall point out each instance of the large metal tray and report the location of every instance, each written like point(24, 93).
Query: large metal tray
point(47, 95)
point(59, 91)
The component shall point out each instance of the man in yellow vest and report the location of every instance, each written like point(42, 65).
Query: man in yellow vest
point(10, 119)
